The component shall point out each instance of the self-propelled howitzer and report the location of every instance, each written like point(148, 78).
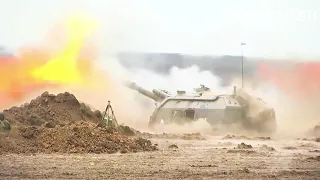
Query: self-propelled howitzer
point(224, 109)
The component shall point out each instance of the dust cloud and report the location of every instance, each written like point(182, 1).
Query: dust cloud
point(294, 117)
point(134, 109)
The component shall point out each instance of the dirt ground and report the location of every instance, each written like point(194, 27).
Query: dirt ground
point(211, 157)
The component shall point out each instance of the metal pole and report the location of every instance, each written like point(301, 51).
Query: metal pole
point(242, 64)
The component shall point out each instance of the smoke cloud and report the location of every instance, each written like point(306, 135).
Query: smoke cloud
point(293, 121)
point(133, 109)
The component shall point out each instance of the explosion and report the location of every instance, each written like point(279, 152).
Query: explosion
point(33, 69)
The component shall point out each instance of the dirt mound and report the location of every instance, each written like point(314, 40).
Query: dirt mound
point(51, 109)
point(61, 124)
point(82, 137)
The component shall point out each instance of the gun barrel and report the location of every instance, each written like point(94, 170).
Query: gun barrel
point(134, 86)
point(160, 94)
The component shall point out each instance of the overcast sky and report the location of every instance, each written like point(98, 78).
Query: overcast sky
point(271, 28)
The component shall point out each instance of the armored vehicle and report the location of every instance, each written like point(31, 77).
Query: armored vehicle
point(237, 107)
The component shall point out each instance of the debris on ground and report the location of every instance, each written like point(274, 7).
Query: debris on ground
point(307, 145)
point(228, 137)
point(245, 138)
point(304, 139)
point(61, 124)
point(317, 139)
point(244, 146)
point(242, 151)
point(225, 143)
point(266, 148)
point(245, 170)
point(203, 166)
point(236, 137)
point(193, 136)
point(315, 151)
point(290, 147)
point(262, 138)
point(316, 158)
point(173, 146)
point(190, 136)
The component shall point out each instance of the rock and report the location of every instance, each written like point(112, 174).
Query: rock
point(171, 146)
point(98, 114)
point(267, 148)
point(50, 124)
point(126, 130)
point(244, 146)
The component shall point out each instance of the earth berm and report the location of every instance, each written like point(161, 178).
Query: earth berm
point(61, 124)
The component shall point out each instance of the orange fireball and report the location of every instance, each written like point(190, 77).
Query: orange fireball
point(36, 68)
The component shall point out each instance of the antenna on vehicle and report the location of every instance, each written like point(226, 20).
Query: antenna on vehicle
point(242, 44)
point(234, 90)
